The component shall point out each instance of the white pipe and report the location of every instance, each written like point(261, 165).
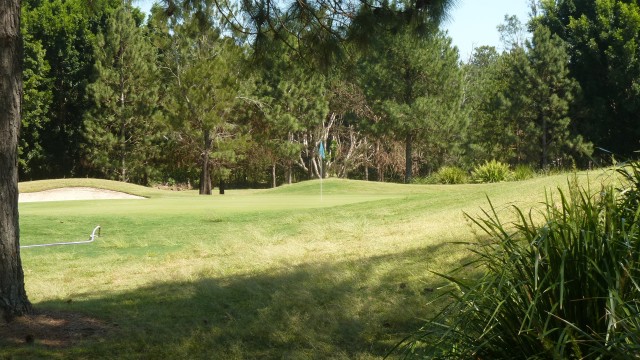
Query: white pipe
point(92, 237)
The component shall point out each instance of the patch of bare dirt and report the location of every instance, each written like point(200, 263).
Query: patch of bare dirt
point(54, 329)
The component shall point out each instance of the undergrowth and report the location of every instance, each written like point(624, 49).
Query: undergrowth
point(564, 288)
point(491, 172)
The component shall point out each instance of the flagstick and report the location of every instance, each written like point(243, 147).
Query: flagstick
point(321, 176)
point(321, 153)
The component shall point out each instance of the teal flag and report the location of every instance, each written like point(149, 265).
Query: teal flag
point(321, 150)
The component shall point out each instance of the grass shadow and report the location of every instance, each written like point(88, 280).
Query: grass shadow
point(344, 310)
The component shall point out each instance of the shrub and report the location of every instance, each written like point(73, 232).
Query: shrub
point(451, 175)
point(523, 172)
point(566, 289)
point(491, 171)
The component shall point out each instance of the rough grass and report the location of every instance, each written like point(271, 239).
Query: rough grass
point(561, 288)
point(252, 274)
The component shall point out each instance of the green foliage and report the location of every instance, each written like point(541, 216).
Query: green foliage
point(416, 83)
point(490, 134)
point(491, 172)
point(450, 175)
point(566, 287)
point(320, 30)
point(122, 129)
point(36, 103)
point(66, 30)
point(293, 106)
point(400, 103)
point(603, 38)
point(523, 172)
point(204, 72)
point(538, 97)
point(520, 101)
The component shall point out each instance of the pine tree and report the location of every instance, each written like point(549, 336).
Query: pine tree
point(295, 103)
point(540, 94)
point(604, 57)
point(490, 133)
point(36, 102)
point(418, 85)
point(122, 129)
point(66, 29)
point(204, 71)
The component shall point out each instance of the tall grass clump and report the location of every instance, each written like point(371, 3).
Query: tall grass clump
point(566, 287)
point(523, 172)
point(451, 175)
point(491, 172)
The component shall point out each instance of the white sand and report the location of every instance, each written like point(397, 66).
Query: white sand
point(74, 193)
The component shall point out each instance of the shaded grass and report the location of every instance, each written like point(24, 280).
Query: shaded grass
point(255, 274)
point(311, 310)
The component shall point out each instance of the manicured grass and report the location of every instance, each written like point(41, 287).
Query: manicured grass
point(256, 273)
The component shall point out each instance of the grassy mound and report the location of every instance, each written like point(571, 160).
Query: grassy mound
point(42, 185)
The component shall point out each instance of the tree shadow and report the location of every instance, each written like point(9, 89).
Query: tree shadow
point(349, 309)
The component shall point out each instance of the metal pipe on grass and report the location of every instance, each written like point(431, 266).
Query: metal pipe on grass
point(92, 237)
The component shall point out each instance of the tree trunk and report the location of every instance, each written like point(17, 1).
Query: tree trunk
point(123, 165)
point(273, 175)
point(408, 159)
point(13, 297)
point(366, 160)
point(544, 163)
point(315, 169)
point(205, 176)
point(379, 163)
point(123, 128)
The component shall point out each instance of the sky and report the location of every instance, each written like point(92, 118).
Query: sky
point(144, 5)
point(472, 23)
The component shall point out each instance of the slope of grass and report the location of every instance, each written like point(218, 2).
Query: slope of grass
point(565, 287)
point(254, 274)
point(42, 185)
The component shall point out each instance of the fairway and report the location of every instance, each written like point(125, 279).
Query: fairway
point(264, 274)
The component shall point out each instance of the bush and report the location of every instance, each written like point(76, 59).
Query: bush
point(523, 172)
point(566, 289)
point(451, 175)
point(491, 171)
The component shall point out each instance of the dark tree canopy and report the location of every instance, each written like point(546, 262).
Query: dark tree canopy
point(603, 38)
point(318, 26)
point(277, 79)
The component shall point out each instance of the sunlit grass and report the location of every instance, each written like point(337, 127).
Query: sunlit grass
point(258, 273)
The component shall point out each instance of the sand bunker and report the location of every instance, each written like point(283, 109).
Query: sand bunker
point(74, 193)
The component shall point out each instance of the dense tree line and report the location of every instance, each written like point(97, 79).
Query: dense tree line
point(190, 95)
